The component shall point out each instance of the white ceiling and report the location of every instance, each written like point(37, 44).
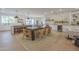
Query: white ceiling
point(35, 11)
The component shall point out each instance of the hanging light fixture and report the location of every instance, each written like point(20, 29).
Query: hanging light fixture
point(16, 16)
point(28, 17)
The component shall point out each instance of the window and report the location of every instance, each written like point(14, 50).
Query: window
point(30, 21)
point(8, 20)
point(35, 21)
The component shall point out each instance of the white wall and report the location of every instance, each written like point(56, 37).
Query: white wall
point(65, 16)
point(3, 28)
point(60, 16)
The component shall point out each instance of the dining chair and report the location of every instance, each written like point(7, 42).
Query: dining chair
point(41, 33)
point(27, 33)
point(47, 30)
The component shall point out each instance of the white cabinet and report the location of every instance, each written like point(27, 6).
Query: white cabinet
point(54, 27)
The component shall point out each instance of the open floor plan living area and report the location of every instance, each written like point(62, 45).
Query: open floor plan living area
point(39, 29)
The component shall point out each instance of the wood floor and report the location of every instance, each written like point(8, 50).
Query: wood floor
point(8, 43)
point(55, 42)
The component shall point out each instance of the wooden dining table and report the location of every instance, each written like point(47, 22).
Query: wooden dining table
point(31, 28)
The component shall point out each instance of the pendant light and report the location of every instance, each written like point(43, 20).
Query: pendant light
point(16, 15)
point(28, 16)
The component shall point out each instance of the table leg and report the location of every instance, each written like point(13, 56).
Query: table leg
point(33, 35)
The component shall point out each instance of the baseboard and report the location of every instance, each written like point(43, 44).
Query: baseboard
point(4, 30)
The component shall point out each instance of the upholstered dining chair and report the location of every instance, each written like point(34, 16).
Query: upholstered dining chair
point(41, 33)
point(47, 31)
point(27, 33)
